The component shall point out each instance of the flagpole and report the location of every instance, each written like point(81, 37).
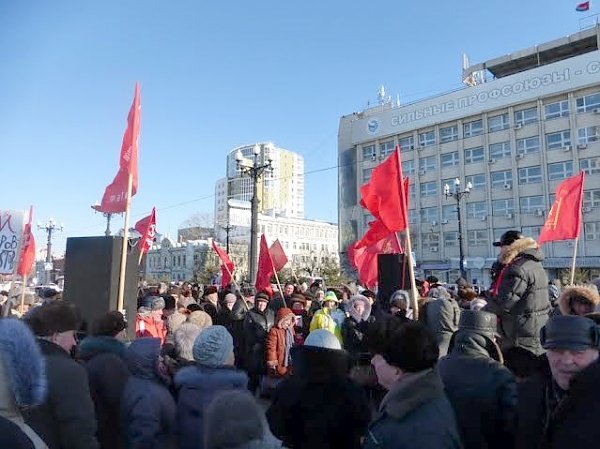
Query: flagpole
point(574, 259)
point(121, 294)
point(279, 286)
point(24, 280)
point(295, 277)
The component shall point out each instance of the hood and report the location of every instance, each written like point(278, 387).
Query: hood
point(587, 293)
point(526, 246)
point(353, 313)
point(473, 344)
point(22, 368)
point(93, 346)
point(142, 357)
point(283, 313)
point(319, 365)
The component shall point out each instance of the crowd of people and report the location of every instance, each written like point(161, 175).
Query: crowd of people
point(515, 366)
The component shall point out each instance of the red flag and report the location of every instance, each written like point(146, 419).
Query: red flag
point(365, 258)
point(114, 199)
point(385, 195)
point(227, 266)
point(564, 219)
point(265, 268)
point(582, 7)
point(28, 248)
point(147, 228)
point(278, 255)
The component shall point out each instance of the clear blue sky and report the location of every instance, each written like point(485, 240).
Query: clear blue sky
point(215, 75)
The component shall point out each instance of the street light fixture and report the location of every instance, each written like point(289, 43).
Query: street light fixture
point(458, 194)
point(49, 227)
point(254, 172)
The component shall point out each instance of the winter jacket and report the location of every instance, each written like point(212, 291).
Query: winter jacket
point(233, 320)
point(322, 319)
point(256, 327)
point(319, 407)
point(354, 329)
point(196, 387)
point(147, 407)
point(146, 326)
point(302, 327)
point(211, 309)
point(104, 361)
point(586, 294)
point(522, 303)
point(441, 316)
point(414, 414)
point(481, 390)
point(11, 436)
point(67, 419)
point(275, 345)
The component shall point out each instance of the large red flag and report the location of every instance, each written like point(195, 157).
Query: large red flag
point(114, 199)
point(365, 258)
point(27, 249)
point(278, 255)
point(265, 268)
point(147, 228)
point(385, 195)
point(227, 266)
point(564, 219)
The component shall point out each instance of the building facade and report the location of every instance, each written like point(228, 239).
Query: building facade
point(514, 137)
point(173, 261)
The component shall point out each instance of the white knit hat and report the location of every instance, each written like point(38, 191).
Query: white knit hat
point(322, 338)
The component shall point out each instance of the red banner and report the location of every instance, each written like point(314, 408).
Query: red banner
point(265, 268)
point(364, 259)
point(278, 255)
point(27, 249)
point(147, 228)
point(227, 266)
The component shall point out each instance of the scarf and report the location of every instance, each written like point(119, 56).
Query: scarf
point(289, 341)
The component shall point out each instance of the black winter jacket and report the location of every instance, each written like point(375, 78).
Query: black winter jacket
point(233, 320)
point(256, 327)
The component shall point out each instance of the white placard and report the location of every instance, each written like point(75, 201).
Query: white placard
point(11, 233)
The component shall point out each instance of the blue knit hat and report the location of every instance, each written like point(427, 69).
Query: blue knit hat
point(213, 346)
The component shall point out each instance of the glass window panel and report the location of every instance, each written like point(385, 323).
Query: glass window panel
point(473, 155)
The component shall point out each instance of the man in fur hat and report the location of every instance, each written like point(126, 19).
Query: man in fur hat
point(579, 300)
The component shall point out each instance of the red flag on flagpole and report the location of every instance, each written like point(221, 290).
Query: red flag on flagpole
point(278, 255)
point(147, 228)
point(227, 266)
point(265, 268)
point(364, 258)
point(114, 199)
point(564, 219)
point(582, 7)
point(28, 249)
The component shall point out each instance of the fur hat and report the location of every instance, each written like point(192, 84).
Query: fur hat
point(53, 318)
point(585, 294)
point(109, 324)
point(201, 319)
point(213, 346)
point(184, 338)
point(210, 290)
point(261, 297)
point(230, 298)
point(176, 320)
point(439, 292)
point(297, 297)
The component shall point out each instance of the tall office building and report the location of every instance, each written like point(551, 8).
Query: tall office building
point(515, 136)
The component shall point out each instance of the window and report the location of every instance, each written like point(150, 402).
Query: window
point(473, 155)
point(592, 230)
point(531, 204)
point(406, 143)
point(430, 214)
point(429, 189)
point(503, 207)
point(408, 167)
point(451, 239)
point(528, 145)
point(412, 216)
point(590, 166)
point(498, 233)
point(559, 140)
point(591, 198)
point(588, 103)
point(369, 153)
point(531, 231)
point(501, 178)
point(427, 138)
point(530, 175)
point(500, 150)
point(556, 110)
point(560, 170)
point(428, 163)
point(386, 148)
point(478, 237)
point(449, 212)
point(498, 123)
point(430, 240)
point(588, 135)
point(477, 181)
point(449, 159)
point(449, 134)
point(526, 116)
point(367, 174)
point(472, 129)
point(476, 210)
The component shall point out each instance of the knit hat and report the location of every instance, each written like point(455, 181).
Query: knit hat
point(230, 298)
point(213, 346)
point(201, 319)
point(185, 337)
point(109, 324)
point(330, 296)
point(322, 338)
point(570, 332)
point(176, 320)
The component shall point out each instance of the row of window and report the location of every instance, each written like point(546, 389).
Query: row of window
point(177, 261)
point(299, 231)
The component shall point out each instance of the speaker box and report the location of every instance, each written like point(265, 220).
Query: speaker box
point(393, 274)
point(92, 266)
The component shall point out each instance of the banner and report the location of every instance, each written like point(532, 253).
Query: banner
point(147, 229)
point(11, 234)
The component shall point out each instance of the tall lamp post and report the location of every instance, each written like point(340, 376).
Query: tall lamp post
point(254, 172)
point(49, 227)
point(458, 194)
point(107, 215)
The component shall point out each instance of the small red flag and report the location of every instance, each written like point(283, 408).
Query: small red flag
point(364, 259)
point(582, 7)
point(265, 268)
point(564, 219)
point(227, 266)
point(114, 199)
point(278, 255)
point(28, 248)
point(147, 228)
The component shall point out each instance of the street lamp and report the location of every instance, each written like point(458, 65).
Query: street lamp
point(107, 215)
point(254, 172)
point(458, 195)
point(49, 227)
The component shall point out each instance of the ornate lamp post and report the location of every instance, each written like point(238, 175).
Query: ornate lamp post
point(458, 194)
point(49, 227)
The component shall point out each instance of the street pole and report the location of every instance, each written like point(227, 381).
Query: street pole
point(49, 227)
point(108, 217)
point(458, 195)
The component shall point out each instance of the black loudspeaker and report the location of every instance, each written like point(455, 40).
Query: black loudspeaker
point(92, 266)
point(393, 274)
